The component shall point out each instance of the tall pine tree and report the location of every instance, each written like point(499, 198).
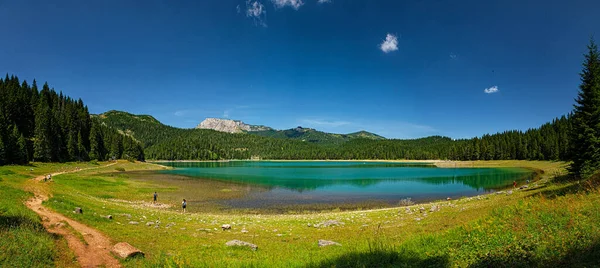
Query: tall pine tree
point(586, 118)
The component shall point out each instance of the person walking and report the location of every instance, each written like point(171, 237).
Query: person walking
point(155, 196)
point(184, 205)
point(514, 184)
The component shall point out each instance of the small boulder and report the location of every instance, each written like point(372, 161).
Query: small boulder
point(244, 230)
point(134, 223)
point(78, 210)
point(125, 250)
point(509, 192)
point(329, 223)
point(434, 208)
point(325, 243)
point(226, 227)
point(421, 209)
point(150, 223)
point(126, 215)
point(109, 217)
point(239, 243)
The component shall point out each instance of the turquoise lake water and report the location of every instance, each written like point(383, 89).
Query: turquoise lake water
point(337, 182)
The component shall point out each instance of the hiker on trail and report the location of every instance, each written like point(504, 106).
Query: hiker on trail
point(514, 184)
point(155, 196)
point(183, 205)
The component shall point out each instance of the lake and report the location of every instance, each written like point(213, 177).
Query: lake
point(285, 183)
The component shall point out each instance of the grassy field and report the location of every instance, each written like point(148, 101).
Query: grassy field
point(553, 222)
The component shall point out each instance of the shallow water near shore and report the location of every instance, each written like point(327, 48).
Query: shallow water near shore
point(314, 185)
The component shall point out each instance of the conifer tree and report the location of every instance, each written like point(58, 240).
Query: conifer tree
point(2, 154)
point(586, 118)
point(41, 145)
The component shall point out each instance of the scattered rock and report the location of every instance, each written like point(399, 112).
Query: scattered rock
point(170, 224)
point(325, 243)
point(421, 209)
point(125, 250)
point(434, 208)
point(328, 223)
point(408, 211)
point(279, 235)
point(417, 219)
point(226, 227)
point(78, 210)
point(501, 192)
point(244, 230)
point(134, 222)
point(448, 198)
point(126, 215)
point(110, 217)
point(524, 187)
point(509, 192)
point(309, 225)
point(239, 243)
point(150, 223)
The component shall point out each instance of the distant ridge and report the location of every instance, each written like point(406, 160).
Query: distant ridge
point(230, 126)
point(297, 133)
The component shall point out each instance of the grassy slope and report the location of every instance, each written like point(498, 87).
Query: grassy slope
point(552, 223)
point(23, 240)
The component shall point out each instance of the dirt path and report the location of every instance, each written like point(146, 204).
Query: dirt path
point(95, 251)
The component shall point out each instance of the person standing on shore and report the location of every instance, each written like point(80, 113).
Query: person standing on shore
point(184, 205)
point(514, 184)
point(155, 196)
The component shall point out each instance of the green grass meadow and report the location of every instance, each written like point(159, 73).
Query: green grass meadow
point(554, 222)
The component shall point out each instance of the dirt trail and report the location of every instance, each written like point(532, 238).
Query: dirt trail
point(95, 251)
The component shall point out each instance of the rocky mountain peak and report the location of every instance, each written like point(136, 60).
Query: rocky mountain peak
point(228, 125)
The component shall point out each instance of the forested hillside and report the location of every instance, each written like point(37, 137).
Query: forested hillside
point(549, 142)
point(43, 125)
point(315, 136)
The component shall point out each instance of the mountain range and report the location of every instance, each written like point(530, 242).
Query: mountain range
point(297, 133)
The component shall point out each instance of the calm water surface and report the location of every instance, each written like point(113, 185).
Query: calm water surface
point(292, 183)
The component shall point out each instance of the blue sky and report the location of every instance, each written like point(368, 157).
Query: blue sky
point(402, 69)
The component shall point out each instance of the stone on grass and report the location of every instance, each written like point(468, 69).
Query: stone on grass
point(150, 223)
point(226, 227)
point(434, 208)
point(239, 243)
point(325, 243)
point(78, 210)
point(125, 250)
point(329, 223)
point(421, 209)
point(109, 217)
point(244, 230)
point(134, 223)
point(509, 192)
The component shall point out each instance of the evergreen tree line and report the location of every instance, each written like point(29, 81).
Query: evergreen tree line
point(549, 142)
point(43, 125)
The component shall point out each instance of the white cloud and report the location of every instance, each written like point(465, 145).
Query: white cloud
point(323, 1)
point(296, 4)
point(389, 44)
point(238, 9)
point(491, 90)
point(256, 11)
point(453, 56)
point(320, 122)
